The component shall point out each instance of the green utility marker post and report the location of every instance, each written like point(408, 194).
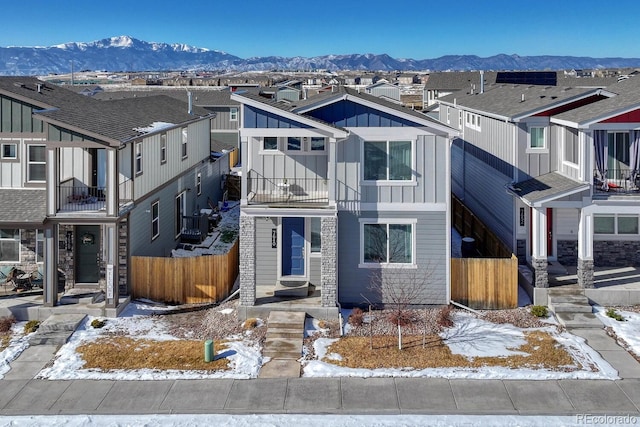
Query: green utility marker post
point(208, 351)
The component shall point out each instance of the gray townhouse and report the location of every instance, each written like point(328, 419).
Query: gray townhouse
point(338, 189)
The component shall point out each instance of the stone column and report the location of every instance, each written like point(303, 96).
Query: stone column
point(539, 247)
point(540, 274)
point(585, 273)
point(247, 260)
point(111, 265)
point(585, 250)
point(329, 267)
point(50, 276)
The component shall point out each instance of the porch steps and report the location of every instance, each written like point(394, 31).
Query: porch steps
point(291, 288)
point(572, 308)
point(56, 329)
point(283, 344)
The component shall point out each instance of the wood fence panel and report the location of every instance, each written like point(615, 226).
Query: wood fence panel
point(485, 283)
point(190, 280)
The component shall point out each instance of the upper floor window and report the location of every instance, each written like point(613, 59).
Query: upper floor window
point(185, 139)
point(386, 243)
point(138, 158)
point(388, 160)
point(270, 143)
point(163, 148)
point(473, 121)
point(317, 143)
point(294, 143)
point(448, 115)
point(36, 159)
point(537, 137)
point(155, 220)
point(9, 245)
point(10, 150)
point(571, 146)
point(233, 114)
point(199, 183)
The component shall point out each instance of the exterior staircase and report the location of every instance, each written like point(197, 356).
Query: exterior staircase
point(283, 345)
point(56, 329)
point(572, 308)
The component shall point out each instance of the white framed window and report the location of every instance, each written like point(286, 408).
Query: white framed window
point(537, 138)
point(459, 119)
point(616, 224)
point(388, 161)
point(317, 143)
point(387, 242)
point(9, 151)
point(39, 246)
point(185, 140)
point(36, 163)
point(181, 209)
point(316, 235)
point(138, 158)
point(294, 143)
point(233, 114)
point(163, 148)
point(9, 245)
point(199, 183)
point(155, 220)
point(473, 121)
point(270, 143)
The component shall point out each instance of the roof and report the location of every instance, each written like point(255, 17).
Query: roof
point(28, 206)
point(550, 186)
point(40, 94)
point(512, 101)
point(626, 97)
point(458, 80)
point(199, 97)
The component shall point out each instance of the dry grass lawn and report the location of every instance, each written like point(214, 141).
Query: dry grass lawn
point(543, 352)
point(127, 353)
point(4, 340)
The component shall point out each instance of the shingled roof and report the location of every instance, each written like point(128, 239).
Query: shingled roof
point(199, 97)
point(27, 206)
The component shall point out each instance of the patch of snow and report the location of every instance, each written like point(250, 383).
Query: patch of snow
point(226, 311)
point(155, 126)
point(628, 330)
point(18, 343)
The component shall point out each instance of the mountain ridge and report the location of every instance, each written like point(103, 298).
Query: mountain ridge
point(126, 53)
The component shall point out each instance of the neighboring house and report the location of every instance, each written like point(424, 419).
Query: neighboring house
point(335, 189)
point(441, 84)
point(119, 178)
point(384, 89)
point(553, 171)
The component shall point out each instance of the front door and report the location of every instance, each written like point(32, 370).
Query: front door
point(86, 259)
point(293, 246)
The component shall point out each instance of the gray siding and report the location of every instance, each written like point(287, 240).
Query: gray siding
point(430, 236)
point(266, 256)
point(16, 117)
point(222, 120)
point(277, 164)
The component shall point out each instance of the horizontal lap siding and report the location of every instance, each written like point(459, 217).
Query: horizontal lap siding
point(266, 256)
point(430, 237)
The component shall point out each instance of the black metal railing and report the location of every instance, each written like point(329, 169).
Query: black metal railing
point(287, 191)
point(81, 198)
point(616, 181)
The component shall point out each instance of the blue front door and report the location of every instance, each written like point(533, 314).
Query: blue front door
point(293, 246)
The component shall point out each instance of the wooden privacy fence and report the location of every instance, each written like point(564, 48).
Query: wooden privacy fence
point(188, 280)
point(485, 283)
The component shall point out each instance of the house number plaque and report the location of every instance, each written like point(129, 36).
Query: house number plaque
point(274, 237)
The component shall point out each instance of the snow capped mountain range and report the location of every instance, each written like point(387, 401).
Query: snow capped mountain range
point(124, 53)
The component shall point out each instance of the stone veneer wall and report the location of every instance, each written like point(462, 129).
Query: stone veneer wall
point(616, 253)
point(65, 255)
point(123, 257)
point(541, 276)
point(567, 252)
point(27, 251)
point(247, 260)
point(329, 267)
point(521, 251)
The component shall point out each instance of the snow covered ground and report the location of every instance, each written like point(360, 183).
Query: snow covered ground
point(628, 329)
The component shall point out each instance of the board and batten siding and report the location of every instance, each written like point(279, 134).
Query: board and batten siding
point(278, 164)
point(222, 120)
point(16, 117)
point(431, 236)
point(266, 256)
point(533, 163)
point(154, 173)
point(13, 172)
point(430, 172)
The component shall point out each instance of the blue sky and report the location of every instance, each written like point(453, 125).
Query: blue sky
point(402, 29)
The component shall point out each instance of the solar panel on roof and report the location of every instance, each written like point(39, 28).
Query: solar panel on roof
point(541, 78)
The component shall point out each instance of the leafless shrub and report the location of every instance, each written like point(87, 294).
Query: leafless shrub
point(6, 322)
point(356, 318)
point(444, 317)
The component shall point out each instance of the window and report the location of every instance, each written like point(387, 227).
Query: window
point(615, 224)
point(36, 171)
point(387, 243)
point(155, 220)
point(9, 245)
point(39, 245)
point(448, 114)
point(270, 143)
point(181, 209)
point(199, 183)
point(138, 158)
point(618, 162)
point(537, 137)
point(460, 120)
point(387, 160)
point(184, 142)
point(317, 143)
point(571, 146)
point(294, 143)
point(233, 114)
point(472, 121)
point(163, 148)
point(316, 240)
point(9, 151)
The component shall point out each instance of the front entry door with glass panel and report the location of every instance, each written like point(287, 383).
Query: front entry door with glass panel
point(293, 246)
point(86, 257)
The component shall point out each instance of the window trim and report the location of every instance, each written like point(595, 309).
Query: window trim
point(545, 140)
point(137, 158)
point(269, 150)
point(388, 221)
point(233, 114)
point(155, 220)
point(163, 148)
point(8, 158)
point(17, 240)
point(387, 181)
point(615, 217)
point(30, 163)
point(184, 147)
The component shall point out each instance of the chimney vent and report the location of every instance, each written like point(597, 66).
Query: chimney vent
point(522, 98)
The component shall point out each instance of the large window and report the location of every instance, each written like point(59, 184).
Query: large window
point(618, 162)
point(387, 160)
point(571, 146)
point(9, 245)
point(10, 150)
point(138, 158)
point(387, 243)
point(615, 224)
point(537, 138)
point(155, 220)
point(36, 159)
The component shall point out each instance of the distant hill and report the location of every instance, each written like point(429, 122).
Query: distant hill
point(125, 53)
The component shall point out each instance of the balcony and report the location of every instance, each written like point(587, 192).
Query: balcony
point(286, 191)
point(73, 196)
point(618, 182)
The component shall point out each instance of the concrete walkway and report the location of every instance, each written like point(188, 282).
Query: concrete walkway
point(283, 345)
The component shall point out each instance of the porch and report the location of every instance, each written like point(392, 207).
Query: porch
point(75, 196)
point(287, 191)
point(618, 182)
point(267, 301)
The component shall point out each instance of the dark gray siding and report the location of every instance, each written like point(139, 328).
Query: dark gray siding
point(430, 237)
point(266, 256)
point(16, 117)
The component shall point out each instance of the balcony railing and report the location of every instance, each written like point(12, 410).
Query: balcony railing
point(619, 181)
point(286, 191)
point(76, 198)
